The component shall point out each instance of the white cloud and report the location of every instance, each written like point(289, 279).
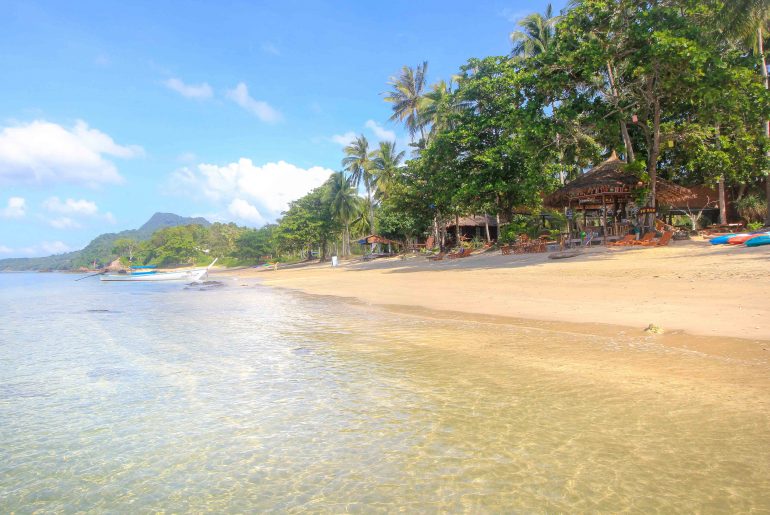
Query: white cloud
point(344, 139)
point(71, 206)
point(270, 48)
point(196, 91)
point(255, 194)
point(242, 210)
point(259, 108)
point(16, 208)
point(42, 152)
point(5, 250)
point(110, 218)
point(64, 222)
point(379, 131)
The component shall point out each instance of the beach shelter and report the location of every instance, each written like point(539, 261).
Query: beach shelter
point(605, 192)
point(374, 239)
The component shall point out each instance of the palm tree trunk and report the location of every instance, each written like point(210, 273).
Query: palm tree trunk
point(371, 207)
point(761, 47)
point(486, 227)
point(457, 228)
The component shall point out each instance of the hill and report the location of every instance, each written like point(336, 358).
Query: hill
point(100, 248)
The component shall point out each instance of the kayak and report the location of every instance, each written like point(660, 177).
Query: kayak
point(762, 239)
point(721, 240)
point(743, 238)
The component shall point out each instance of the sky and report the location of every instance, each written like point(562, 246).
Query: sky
point(111, 111)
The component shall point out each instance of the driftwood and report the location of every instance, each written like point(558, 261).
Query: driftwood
point(565, 254)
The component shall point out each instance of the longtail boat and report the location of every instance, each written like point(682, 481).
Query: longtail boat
point(191, 275)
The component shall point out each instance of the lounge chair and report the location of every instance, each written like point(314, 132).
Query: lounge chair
point(627, 240)
point(661, 242)
point(644, 239)
point(437, 257)
point(457, 254)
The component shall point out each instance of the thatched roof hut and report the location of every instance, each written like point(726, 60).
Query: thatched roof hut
point(610, 180)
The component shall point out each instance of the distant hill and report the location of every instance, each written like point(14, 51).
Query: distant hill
point(100, 248)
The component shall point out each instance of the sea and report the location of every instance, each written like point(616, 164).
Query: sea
point(233, 397)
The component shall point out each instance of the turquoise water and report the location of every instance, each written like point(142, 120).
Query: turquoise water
point(153, 397)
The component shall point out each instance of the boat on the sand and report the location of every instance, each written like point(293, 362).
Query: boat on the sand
point(191, 275)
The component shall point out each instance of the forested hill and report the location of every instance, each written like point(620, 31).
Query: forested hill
point(101, 248)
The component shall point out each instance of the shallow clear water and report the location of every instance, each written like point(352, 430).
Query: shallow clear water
point(148, 397)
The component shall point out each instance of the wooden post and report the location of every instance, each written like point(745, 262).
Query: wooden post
point(604, 219)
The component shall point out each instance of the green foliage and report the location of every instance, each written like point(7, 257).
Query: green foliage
point(752, 208)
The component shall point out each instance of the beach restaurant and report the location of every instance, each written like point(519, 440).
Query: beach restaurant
point(600, 203)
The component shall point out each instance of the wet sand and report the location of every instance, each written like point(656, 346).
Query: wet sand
point(689, 286)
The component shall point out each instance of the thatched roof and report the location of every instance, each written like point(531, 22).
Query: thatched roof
point(473, 221)
point(610, 179)
point(374, 238)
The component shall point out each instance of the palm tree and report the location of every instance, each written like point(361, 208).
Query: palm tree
point(406, 96)
point(358, 163)
point(361, 224)
point(387, 162)
point(744, 19)
point(344, 203)
point(537, 34)
point(438, 105)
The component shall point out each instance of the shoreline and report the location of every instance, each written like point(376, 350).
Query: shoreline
point(690, 288)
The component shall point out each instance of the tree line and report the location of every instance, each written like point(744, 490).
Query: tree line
point(678, 88)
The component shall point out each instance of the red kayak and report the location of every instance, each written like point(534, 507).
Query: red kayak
point(740, 239)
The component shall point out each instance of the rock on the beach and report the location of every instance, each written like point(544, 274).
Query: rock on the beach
point(653, 329)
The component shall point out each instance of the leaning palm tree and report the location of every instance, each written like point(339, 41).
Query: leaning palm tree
point(386, 163)
point(537, 35)
point(344, 203)
point(358, 163)
point(748, 19)
point(406, 96)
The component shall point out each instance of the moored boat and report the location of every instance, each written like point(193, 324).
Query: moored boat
point(191, 275)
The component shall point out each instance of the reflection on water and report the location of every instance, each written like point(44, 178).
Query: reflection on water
point(128, 397)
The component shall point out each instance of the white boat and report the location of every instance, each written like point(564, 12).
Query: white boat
point(192, 275)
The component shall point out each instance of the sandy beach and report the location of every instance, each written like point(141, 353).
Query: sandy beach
point(689, 287)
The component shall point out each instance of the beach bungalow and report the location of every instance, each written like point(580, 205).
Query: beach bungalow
point(601, 203)
point(473, 226)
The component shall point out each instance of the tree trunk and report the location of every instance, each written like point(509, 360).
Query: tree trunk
point(652, 163)
point(630, 158)
point(761, 47)
point(457, 229)
point(722, 201)
point(486, 227)
point(371, 207)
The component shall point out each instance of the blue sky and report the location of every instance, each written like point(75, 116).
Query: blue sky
point(111, 111)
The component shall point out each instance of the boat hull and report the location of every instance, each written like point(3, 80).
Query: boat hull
point(186, 275)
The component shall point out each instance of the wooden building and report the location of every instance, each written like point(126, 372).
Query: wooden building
point(601, 201)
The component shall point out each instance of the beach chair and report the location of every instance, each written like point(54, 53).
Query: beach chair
point(437, 257)
point(627, 240)
point(458, 254)
point(644, 239)
point(661, 242)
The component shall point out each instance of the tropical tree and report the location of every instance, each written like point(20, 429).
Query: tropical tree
point(439, 105)
point(537, 34)
point(358, 163)
point(386, 162)
point(344, 204)
point(406, 95)
point(125, 247)
point(748, 19)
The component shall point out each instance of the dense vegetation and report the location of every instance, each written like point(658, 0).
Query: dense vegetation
point(676, 87)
